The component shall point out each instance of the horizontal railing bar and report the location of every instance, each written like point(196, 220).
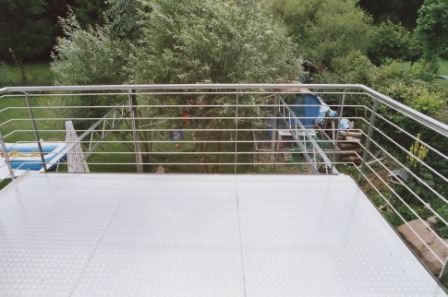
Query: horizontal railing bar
point(420, 180)
point(179, 87)
point(425, 204)
point(412, 113)
point(405, 150)
point(385, 151)
point(409, 134)
point(441, 261)
point(188, 130)
point(193, 153)
point(403, 108)
point(178, 141)
point(414, 212)
point(181, 118)
point(203, 163)
point(191, 106)
point(125, 92)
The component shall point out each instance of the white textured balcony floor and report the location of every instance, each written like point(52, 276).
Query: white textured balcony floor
point(200, 235)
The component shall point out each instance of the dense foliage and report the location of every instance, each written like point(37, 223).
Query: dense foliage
point(90, 56)
point(433, 29)
point(325, 29)
point(213, 41)
point(393, 42)
point(180, 42)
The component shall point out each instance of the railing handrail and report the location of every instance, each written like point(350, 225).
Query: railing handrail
point(434, 124)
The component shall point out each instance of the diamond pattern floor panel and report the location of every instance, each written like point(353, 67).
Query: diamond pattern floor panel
point(200, 235)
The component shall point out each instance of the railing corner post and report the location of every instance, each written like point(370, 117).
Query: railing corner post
point(137, 147)
point(444, 272)
point(369, 138)
point(36, 131)
point(6, 156)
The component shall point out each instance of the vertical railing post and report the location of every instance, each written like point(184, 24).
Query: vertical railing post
point(36, 132)
point(338, 129)
point(236, 133)
point(133, 112)
point(444, 272)
point(6, 156)
point(274, 130)
point(369, 138)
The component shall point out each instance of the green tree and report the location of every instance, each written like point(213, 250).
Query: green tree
point(326, 29)
point(126, 18)
point(89, 56)
point(100, 54)
point(21, 25)
point(213, 41)
point(393, 42)
point(354, 68)
point(432, 27)
point(90, 12)
point(86, 57)
point(181, 42)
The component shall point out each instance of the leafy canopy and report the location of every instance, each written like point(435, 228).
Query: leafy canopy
point(216, 41)
point(183, 41)
point(325, 29)
point(89, 56)
point(432, 27)
point(393, 42)
point(179, 42)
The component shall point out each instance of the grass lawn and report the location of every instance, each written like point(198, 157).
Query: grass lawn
point(442, 82)
point(38, 74)
point(443, 70)
point(14, 116)
point(443, 67)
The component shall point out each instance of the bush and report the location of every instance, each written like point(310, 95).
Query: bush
point(391, 42)
point(440, 227)
point(420, 97)
point(353, 68)
point(325, 30)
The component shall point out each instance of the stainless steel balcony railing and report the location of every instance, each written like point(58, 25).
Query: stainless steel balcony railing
point(397, 155)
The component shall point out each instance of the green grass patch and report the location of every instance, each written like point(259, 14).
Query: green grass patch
point(443, 67)
point(443, 70)
point(442, 82)
point(403, 66)
point(16, 125)
point(406, 66)
point(38, 74)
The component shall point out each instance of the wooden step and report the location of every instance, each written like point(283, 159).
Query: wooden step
point(287, 156)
